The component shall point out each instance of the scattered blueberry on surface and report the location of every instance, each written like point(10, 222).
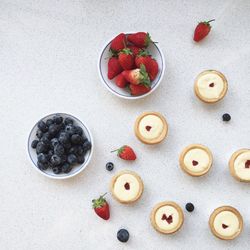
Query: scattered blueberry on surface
point(190, 207)
point(123, 235)
point(60, 144)
point(226, 117)
point(110, 166)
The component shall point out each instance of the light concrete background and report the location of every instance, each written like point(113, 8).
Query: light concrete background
point(48, 63)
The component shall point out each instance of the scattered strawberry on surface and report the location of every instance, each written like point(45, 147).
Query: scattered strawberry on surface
point(114, 67)
point(120, 81)
point(126, 153)
point(118, 43)
point(137, 76)
point(101, 207)
point(135, 50)
point(202, 30)
point(136, 90)
point(126, 59)
point(140, 39)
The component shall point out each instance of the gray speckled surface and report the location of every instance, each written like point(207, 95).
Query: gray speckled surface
point(49, 51)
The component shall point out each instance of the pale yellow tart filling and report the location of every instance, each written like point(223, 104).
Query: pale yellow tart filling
point(126, 187)
point(196, 160)
point(210, 85)
point(167, 218)
point(151, 127)
point(242, 166)
point(226, 223)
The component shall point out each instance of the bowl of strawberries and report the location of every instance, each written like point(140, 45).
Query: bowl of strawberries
point(131, 65)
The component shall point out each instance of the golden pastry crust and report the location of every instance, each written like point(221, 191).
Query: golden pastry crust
point(156, 140)
point(184, 152)
point(231, 164)
point(167, 203)
point(219, 210)
point(141, 186)
point(214, 100)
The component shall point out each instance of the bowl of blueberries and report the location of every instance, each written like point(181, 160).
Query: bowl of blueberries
point(60, 146)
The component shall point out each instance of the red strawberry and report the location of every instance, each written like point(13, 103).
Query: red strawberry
point(202, 30)
point(118, 43)
point(151, 64)
point(137, 76)
point(120, 81)
point(139, 89)
point(114, 67)
point(135, 50)
point(140, 39)
point(126, 153)
point(126, 59)
point(101, 207)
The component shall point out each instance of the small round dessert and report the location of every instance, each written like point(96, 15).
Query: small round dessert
point(196, 160)
point(210, 86)
point(151, 128)
point(239, 165)
point(167, 217)
point(226, 223)
point(126, 187)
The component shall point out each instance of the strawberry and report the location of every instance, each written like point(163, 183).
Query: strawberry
point(150, 64)
point(140, 39)
point(137, 76)
point(126, 153)
point(120, 81)
point(118, 43)
point(126, 59)
point(202, 30)
point(101, 207)
point(114, 67)
point(135, 50)
point(139, 89)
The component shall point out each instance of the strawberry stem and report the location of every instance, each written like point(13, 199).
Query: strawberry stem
point(211, 20)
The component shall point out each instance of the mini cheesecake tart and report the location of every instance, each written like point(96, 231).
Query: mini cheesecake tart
point(151, 128)
point(239, 165)
point(167, 217)
point(126, 187)
point(226, 223)
point(196, 160)
point(210, 86)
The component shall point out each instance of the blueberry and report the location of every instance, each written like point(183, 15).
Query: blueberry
point(80, 159)
point(80, 150)
point(226, 117)
point(39, 134)
point(59, 149)
point(78, 130)
point(70, 129)
point(66, 167)
point(55, 160)
point(53, 129)
point(110, 166)
point(189, 207)
point(54, 142)
point(63, 158)
point(56, 170)
point(50, 153)
point(68, 121)
point(87, 145)
point(42, 166)
point(67, 146)
point(76, 139)
point(64, 138)
point(42, 126)
point(49, 122)
point(34, 143)
point(57, 119)
point(42, 158)
point(73, 150)
point(123, 235)
point(41, 148)
point(72, 159)
point(45, 140)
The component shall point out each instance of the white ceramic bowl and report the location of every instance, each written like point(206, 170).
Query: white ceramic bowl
point(77, 168)
point(156, 53)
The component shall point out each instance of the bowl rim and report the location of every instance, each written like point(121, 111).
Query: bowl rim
point(121, 95)
point(83, 166)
